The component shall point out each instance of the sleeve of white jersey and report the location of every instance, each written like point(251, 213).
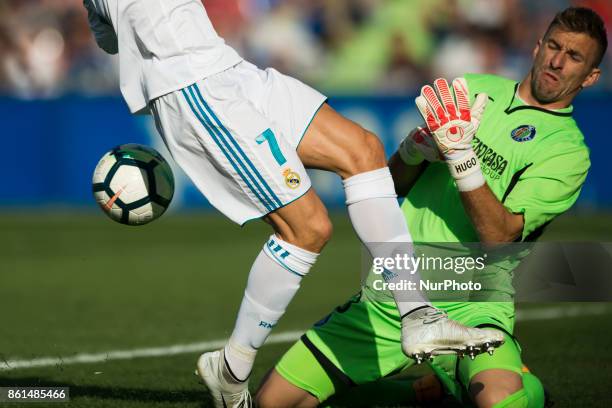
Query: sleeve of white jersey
point(103, 32)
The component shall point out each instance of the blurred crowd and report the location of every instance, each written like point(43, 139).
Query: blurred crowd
point(338, 46)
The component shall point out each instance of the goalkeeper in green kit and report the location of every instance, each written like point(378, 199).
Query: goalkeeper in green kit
point(495, 163)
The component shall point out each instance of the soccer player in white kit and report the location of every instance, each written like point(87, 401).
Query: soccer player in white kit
point(244, 136)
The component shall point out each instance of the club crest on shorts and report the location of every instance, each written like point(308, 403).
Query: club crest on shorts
point(523, 133)
point(292, 179)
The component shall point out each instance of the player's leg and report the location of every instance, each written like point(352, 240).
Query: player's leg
point(391, 392)
point(491, 387)
point(501, 380)
point(302, 228)
point(356, 344)
point(247, 170)
point(345, 360)
point(303, 223)
point(486, 380)
point(536, 394)
point(277, 391)
point(506, 389)
point(337, 144)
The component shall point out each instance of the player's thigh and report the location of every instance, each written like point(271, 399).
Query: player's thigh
point(335, 143)
point(276, 391)
point(324, 139)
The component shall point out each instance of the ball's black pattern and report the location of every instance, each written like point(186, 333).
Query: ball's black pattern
point(147, 162)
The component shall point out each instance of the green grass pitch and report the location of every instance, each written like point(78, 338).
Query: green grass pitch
point(78, 283)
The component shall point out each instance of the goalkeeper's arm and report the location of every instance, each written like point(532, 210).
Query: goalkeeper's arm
point(492, 221)
point(404, 175)
point(453, 123)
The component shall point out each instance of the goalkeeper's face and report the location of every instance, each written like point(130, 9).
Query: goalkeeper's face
point(563, 65)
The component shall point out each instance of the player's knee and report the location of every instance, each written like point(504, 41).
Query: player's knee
point(428, 390)
point(368, 154)
point(265, 398)
point(495, 387)
point(265, 394)
point(311, 235)
point(496, 396)
point(318, 232)
point(275, 392)
point(325, 229)
point(270, 399)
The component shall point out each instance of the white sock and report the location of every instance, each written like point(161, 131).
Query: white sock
point(273, 281)
point(381, 226)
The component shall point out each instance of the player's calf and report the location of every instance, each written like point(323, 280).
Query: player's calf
point(302, 229)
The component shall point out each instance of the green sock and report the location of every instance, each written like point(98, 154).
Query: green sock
point(534, 389)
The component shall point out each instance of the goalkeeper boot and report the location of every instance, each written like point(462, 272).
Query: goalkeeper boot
point(428, 332)
point(226, 391)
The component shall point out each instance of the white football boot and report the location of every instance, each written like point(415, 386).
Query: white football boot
point(429, 332)
point(225, 390)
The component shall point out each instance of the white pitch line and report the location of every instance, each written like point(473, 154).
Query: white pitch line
point(549, 313)
point(85, 358)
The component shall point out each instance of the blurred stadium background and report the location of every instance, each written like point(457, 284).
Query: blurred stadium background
point(73, 282)
point(60, 98)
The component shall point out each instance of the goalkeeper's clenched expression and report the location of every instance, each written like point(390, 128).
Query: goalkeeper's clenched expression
point(564, 63)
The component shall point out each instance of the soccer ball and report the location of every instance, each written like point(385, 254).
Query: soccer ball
point(133, 184)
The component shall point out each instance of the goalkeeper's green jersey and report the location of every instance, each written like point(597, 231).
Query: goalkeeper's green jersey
point(534, 160)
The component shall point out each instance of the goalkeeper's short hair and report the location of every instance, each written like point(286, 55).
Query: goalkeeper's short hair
point(583, 20)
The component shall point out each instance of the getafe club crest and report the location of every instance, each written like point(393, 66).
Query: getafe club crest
point(523, 133)
point(292, 179)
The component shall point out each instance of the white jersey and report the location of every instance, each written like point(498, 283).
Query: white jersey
point(163, 45)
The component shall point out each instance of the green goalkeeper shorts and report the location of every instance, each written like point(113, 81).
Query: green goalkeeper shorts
point(359, 342)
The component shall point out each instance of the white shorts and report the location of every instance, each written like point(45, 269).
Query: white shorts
point(235, 134)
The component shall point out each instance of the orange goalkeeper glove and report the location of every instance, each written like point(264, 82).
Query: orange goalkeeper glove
point(453, 125)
